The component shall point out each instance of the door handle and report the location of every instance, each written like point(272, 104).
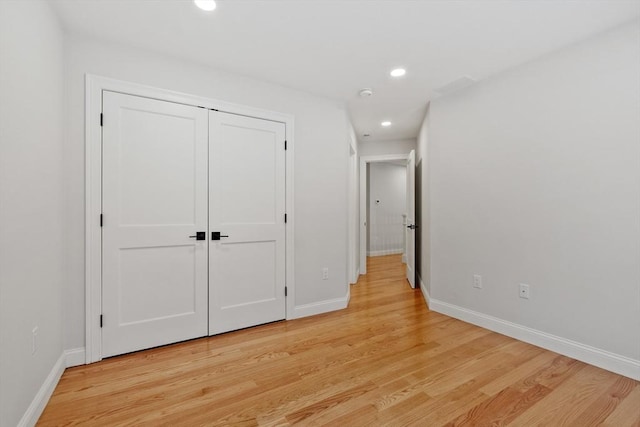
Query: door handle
point(412, 226)
point(200, 235)
point(215, 235)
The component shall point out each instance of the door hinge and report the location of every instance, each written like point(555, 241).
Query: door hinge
point(285, 218)
point(101, 119)
point(100, 220)
point(285, 291)
point(285, 144)
point(101, 320)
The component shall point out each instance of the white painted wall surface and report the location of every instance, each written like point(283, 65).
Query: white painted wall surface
point(31, 202)
point(378, 148)
point(387, 204)
point(535, 178)
point(321, 163)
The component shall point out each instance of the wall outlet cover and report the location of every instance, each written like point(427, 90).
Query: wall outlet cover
point(477, 281)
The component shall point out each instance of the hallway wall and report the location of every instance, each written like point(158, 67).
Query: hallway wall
point(31, 205)
point(541, 186)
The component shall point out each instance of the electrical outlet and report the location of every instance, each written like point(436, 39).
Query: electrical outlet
point(325, 273)
point(524, 291)
point(34, 340)
point(477, 281)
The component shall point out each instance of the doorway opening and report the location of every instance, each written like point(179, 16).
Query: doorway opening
point(387, 210)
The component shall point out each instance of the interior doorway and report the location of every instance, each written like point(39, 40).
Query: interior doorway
point(387, 209)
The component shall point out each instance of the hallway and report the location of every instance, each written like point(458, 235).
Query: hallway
point(386, 360)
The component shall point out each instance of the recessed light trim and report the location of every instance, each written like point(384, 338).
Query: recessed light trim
point(206, 5)
point(386, 123)
point(398, 72)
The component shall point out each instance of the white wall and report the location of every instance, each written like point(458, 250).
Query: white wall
point(31, 202)
point(535, 178)
point(387, 203)
point(378, 148)
point(321, 163)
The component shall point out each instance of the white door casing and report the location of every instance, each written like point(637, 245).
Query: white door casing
point(364, 161)
point(154, 276)
point(411, 219)
point(246, 204)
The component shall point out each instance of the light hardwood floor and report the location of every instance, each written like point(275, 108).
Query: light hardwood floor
point(386, 360)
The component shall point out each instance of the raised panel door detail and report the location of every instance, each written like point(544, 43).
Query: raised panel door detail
point(168, 287)
point(251, 285)
point(154, 146)
point(247, 168)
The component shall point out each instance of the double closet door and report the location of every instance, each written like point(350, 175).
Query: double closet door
point(193, 235)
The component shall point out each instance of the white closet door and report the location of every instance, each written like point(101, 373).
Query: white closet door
point(247, 207)
point(411, 218)
point(154, 197)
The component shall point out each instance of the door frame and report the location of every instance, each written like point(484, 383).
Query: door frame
point(364, 160)
point(94, 87)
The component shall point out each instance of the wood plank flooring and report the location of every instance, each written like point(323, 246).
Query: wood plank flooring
point(386, 360)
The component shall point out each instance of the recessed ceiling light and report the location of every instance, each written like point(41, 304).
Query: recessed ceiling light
point(207, 5)
point(398, 72)
point(386, 124)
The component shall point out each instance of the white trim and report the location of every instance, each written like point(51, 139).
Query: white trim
point(425, 292)
point(321, 307)
point(74, 357)
point(33, 412)
point(93, 204)
point(352, 200)
point(385, 252)
point(291, 218)
point(594, 356)
point(94, 86)
point(363, 200)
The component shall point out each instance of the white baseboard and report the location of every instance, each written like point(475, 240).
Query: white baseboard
point(385, 252)
point(33, 412)
point(74, 357)
point(404, 258)
point(425, 292)
point(322, 306)
point(594, 356)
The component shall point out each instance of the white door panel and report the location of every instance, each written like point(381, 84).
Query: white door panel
point(247, 204)
point(154, 197)
point(411, 218)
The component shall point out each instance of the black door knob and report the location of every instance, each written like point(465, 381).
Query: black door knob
point(200, 235)
point(215, 235)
